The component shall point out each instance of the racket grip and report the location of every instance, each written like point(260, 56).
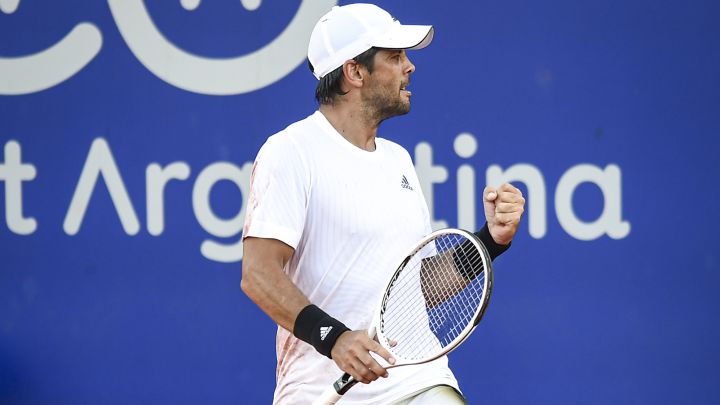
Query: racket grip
point(328, 397)
point(333, 394)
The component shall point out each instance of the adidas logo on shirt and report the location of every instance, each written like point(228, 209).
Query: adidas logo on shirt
point(324, 330)
point(405, 184)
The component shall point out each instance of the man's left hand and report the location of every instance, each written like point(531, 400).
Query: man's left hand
point(504, 207)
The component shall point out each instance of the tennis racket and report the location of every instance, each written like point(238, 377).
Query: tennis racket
point(431, 304)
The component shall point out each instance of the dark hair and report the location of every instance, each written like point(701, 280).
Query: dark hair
point(330, 85)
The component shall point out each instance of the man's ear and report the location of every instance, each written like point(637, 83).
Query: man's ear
point(354, 74)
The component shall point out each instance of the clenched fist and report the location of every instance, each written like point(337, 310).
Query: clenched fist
point(504, 207)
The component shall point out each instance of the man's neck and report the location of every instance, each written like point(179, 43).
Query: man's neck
point(352, 124)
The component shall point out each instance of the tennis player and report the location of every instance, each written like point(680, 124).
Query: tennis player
point(333, 208)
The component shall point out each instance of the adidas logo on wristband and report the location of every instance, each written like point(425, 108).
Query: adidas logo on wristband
point(324, 331)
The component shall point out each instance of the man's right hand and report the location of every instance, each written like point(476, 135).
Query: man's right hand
point(352, 354)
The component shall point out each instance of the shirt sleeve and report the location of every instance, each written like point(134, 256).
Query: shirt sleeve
point(279, 191)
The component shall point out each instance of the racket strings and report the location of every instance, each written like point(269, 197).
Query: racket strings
point(432, 301)
point(458, 311)
point(443, 317)
point(456, 300)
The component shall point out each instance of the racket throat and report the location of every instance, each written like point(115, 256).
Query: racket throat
point(344, 383)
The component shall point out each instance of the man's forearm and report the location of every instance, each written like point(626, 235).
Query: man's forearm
point(276, 295)
point(265, 282)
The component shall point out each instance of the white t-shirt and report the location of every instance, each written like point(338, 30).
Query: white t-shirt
point(351, 216)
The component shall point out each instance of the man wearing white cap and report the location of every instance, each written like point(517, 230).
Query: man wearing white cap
point(333, 208)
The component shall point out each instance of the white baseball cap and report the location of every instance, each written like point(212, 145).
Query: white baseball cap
point(347, 31)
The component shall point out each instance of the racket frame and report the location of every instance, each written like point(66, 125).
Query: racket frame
point(377, 331)
point(346, 381)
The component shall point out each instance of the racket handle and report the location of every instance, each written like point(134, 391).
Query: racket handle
point(328, 397)
point(333, 394)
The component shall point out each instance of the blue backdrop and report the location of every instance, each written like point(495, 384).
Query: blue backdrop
point(127, 129)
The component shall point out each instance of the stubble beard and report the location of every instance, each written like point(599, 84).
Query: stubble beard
point(387, 105)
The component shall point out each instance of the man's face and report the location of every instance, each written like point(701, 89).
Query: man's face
point(385, 95)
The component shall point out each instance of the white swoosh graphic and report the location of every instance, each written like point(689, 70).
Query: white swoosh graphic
point(216, 76)
point(52, 66)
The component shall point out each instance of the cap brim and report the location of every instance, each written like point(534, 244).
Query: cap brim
point(406, 37)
